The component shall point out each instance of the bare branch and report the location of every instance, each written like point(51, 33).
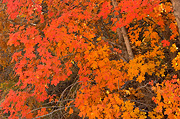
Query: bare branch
point(52, 112)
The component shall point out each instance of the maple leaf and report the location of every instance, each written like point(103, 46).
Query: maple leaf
point(138, 43)
point(165, 43)
point(58, 42)
point(70, 111)
point(94, 65)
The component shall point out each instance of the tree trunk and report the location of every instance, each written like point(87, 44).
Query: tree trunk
point(176, 7)
point(122, 32)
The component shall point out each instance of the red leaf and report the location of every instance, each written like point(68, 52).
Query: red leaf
point(165, 43)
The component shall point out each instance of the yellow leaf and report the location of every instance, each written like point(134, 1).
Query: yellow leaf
point(107, 92)
point(173, 48)
point(99, 39)
point(94, 65)
point(127, 92)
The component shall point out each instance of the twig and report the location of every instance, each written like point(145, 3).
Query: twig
point(126, 83)
point(58, 101)
point(52, 112)
point(67, 88)
point(142, 86)
point(41, 108)
point(112, 43)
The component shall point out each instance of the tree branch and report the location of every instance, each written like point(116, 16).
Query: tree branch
point(122, 32)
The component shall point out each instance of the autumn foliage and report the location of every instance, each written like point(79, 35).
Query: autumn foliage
point(102, 59)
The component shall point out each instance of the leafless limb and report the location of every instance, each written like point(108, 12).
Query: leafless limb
point(67, 88)
point(52, 112)
point(126, 83)
point(142, 86)
point(142, 103)
point(58, 101)
point(42, 108)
